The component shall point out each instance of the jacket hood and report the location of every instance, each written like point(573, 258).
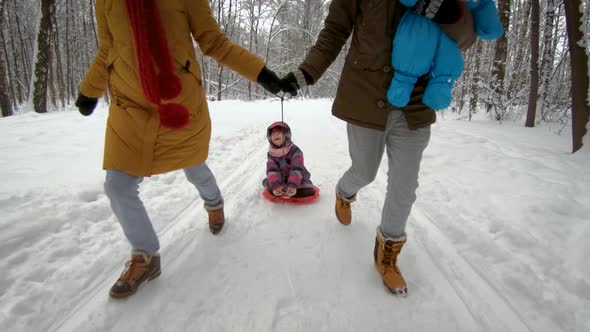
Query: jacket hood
point(286, 132)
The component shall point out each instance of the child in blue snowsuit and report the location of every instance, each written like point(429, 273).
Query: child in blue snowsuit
point(421, 47)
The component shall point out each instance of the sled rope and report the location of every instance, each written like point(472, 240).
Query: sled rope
point(283, 124)
point(283, 109)
point(282, 97)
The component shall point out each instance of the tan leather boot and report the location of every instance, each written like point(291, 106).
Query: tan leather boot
point(386, 252)
point(343, 210)
point(139, 269)
point(216, 217)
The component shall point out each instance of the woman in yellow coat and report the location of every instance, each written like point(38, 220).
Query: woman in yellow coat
point(158, 118)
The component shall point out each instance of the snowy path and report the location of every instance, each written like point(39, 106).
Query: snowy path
point(286, 268)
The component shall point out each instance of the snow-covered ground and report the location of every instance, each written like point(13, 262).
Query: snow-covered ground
point(498, 239)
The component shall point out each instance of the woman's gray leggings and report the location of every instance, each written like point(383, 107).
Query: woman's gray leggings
point(122, 190)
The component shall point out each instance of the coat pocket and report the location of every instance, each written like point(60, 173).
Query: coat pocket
point(185, 64)
point(191, 66)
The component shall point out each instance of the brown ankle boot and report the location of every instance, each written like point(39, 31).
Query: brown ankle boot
point(386, 252)
point(139, 269)
point(343, 210)
point(216, 218)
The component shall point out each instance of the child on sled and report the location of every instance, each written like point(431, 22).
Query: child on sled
point(286, 174)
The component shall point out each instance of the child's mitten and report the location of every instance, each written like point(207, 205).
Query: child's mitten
point(485, 16)
point(291, 191)
point(414, 48)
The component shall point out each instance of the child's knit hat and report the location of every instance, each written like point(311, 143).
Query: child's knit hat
point(286, 132)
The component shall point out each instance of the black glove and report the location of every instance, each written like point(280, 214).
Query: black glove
point(269, 80)
point(296, 80)
point(86, 105)
point(440, 11)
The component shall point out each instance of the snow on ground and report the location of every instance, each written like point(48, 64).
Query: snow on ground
point(497, 238)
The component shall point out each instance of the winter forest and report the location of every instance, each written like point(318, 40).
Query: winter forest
point(496, 233)
point(47, 46)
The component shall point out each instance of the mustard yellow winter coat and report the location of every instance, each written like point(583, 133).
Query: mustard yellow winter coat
point(135, 142)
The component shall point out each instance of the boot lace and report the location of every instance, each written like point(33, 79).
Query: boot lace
point(135, 268)
point(344, 203)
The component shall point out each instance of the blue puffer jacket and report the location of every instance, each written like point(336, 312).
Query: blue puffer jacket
point(421, 47)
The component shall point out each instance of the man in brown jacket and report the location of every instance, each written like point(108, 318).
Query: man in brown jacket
point(373, 123)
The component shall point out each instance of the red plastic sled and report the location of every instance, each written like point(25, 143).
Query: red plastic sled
point(291, 200)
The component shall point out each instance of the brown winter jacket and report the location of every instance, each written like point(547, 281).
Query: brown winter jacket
point(361, 96)
point(135, 142)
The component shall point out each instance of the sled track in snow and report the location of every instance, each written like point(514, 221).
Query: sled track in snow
point(469, 285)
point(486, 305)
point(192, 214)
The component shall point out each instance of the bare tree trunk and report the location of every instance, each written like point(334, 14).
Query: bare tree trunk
point(307, 16)
point(84, 40)
point(579, 72)
point(59, 69)
point(475, 85)
point(252, 28)
point(250, 49)
point(69, 74)
point(548, 54)
point(501, 54)
point(219, 66)
point(462, 96)
point(75, 50)
point(205, 73)
point(219, 81)
point(17, 88)
point(534, 92)
point(5, 103)
point(9, 76)
point(51, 85)
point(520, 44)
point(256, 40)
point(43, 56)
point(7, 65)
point(24, 56)
point(92, 21)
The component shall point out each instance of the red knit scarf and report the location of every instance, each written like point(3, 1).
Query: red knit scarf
point(151, 47)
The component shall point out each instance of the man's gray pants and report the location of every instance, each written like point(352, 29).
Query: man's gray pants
point(123, 192)
point(404, 154)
